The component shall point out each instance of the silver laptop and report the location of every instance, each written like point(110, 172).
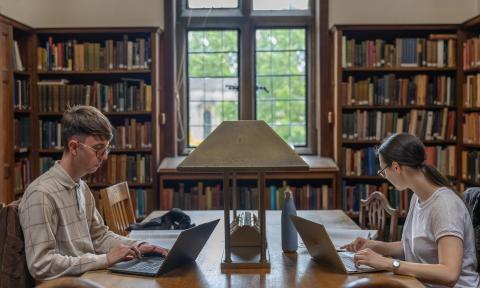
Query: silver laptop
point(322, 250)
point(185, 250)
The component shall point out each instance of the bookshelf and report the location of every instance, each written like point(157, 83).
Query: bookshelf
point(16, 80)
point(115, 70)
point(469, 107)
point(393, 78)
point(315, 189)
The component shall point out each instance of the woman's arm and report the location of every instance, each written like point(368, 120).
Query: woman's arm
point(446, 272)
point(391, 249)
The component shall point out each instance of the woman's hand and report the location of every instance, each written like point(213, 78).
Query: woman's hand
point(356, 245)
point(370, 258)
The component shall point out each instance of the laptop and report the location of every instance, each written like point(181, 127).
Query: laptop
point(322, 250)
point(185, 250)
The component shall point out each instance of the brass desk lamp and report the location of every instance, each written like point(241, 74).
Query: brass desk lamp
point(247, 146)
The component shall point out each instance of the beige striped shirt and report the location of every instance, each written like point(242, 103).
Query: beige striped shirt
point(64, 233)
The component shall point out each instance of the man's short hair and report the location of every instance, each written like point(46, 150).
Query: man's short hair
point(85, 121)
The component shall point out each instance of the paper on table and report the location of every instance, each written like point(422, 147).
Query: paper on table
point(162, 238)
point(341, 237)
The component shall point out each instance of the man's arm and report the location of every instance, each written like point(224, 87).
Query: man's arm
point(103, 239)
point(39, 222)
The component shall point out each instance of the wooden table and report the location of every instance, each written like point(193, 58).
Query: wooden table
point(287, 270)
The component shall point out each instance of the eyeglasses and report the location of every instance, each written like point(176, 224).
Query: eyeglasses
point(98, 152)
point(382, 172)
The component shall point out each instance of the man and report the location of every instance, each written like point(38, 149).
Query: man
point(64, 233)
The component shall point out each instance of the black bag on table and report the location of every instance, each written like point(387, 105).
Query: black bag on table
point(175, 219)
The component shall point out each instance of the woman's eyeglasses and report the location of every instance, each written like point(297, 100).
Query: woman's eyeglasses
point(382, 172)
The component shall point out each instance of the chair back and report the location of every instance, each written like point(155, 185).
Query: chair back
point(117, 207)
point(376, 208)
point(69, 282)
point(375, 283)
point(13, 262)
point(471, 196)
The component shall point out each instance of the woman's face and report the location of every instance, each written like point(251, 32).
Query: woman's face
point(393, 173)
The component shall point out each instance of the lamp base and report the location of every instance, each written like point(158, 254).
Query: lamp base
point(245, 258)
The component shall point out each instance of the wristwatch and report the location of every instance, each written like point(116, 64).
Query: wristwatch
point(395, 265)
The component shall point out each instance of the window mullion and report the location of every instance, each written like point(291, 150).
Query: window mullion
point(247, 70)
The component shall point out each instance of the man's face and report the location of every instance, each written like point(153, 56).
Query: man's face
point(91, 153)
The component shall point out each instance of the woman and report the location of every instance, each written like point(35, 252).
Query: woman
point(437, 244)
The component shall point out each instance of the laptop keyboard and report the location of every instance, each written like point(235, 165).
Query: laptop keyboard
point(149, 265)
point(347, 260)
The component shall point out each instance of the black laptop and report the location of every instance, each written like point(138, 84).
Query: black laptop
point(185, 250)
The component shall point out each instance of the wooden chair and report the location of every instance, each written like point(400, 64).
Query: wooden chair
point(117, 208)
point(376, 208)
point(13, 262)
point(375, 283)
point(69, 282)
point(471, 196)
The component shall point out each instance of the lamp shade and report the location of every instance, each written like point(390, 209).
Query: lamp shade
point(245, 145)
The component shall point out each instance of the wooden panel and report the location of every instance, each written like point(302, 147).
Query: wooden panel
point(6, 148)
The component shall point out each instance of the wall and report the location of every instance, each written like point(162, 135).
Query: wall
point(85, 13)
point(21, 10)
point(404, 11)
point(93, 13)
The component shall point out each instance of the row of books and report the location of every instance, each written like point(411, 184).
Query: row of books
point(437, 51)
point(122, 167)
point(46, 163)
point(471, 91)
point(376, 125)
point(22, 133)
point(139, 197)
point(50, 134)
point(471, 166)
point(17, 59)
point(118, 168)
point(364, 162)
point(203, 197)
point(22, 174)
point(133, 134)
point(91, 56)
point(128, 95)
point(390, 90)
point(21, 98)
point(471, 53)
point(352, 194)
point(471, 128)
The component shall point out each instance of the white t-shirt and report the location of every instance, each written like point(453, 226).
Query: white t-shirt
point(442, 214)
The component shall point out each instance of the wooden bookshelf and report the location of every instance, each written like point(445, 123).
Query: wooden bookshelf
point(469, 148)
point(140, 79)
point(17, 80)
point(366, 62)
point(323, 172)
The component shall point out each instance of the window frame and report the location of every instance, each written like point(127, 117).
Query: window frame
point(246, 21)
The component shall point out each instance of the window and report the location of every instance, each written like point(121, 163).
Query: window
point(212, 81)
point(244, 60)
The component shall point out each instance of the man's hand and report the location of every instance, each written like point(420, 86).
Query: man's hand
point(122, 253)
point(149, 248)
point(358, 244)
